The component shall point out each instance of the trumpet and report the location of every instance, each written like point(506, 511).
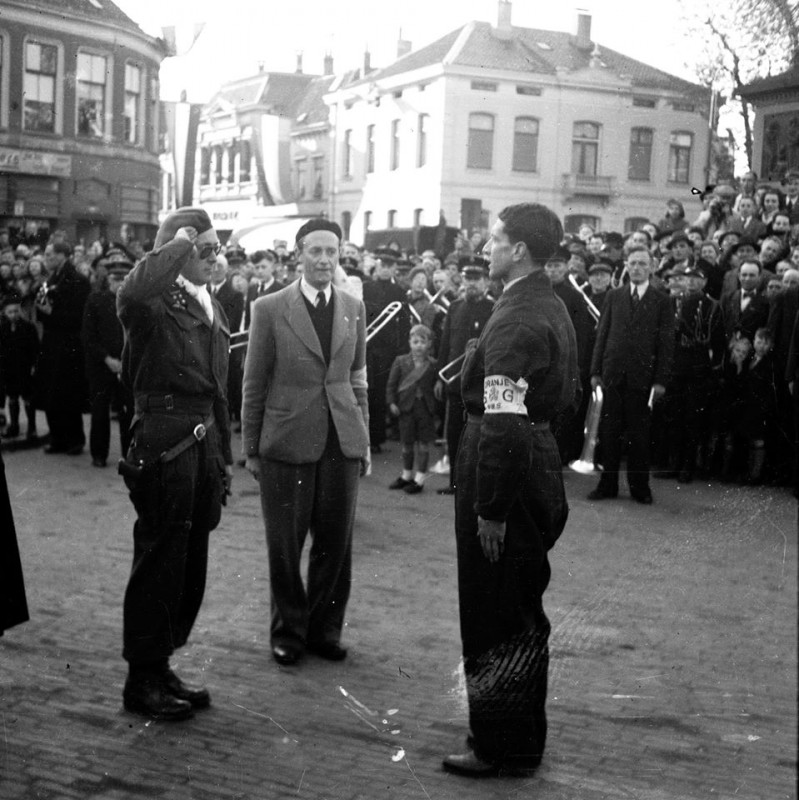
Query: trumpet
point(439, 298)
point(450, 372)
point(616, 282)
point(382, 319)
point(585, 464)
point(592, 309)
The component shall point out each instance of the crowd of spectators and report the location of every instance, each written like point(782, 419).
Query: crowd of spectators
point(732, 273)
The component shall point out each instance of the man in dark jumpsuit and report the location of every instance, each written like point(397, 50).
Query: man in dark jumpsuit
point(510, 504)
point(175, 360)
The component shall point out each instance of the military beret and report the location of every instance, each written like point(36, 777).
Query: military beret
point(186, 217)
point(317, 224)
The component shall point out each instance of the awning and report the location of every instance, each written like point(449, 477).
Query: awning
point(261, 235)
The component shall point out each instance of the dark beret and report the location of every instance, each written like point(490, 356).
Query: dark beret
point(561, 254)
point(614, 239)
point(679, 237)
point(186, 217)
point(317, 224)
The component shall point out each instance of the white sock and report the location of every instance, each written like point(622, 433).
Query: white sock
point(419, 478)
point(407, 474)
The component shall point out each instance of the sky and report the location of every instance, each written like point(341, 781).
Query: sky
point(238, 34)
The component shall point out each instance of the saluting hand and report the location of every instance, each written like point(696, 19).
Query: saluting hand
point(492, 538)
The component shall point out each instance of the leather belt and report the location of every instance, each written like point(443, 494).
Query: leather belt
point(476, 419)
point(182, 404)
point(197, 435)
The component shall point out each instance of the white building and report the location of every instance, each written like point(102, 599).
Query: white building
point(492, 115)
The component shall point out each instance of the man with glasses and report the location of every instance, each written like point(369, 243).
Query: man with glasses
point(178, 467)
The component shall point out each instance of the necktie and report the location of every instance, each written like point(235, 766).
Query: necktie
point(321, 302)
point(636, 299)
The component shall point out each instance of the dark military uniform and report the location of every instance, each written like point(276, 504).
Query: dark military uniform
point(509, 469)
point(465, 320)
point(103, 337)
point(175, 362)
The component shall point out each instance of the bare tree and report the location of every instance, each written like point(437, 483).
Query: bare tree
point(742, 40)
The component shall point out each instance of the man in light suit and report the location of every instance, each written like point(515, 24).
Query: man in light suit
point(305, 424)
point(631, 362)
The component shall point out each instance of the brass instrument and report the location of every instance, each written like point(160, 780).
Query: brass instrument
point(439, 298)
point(616, 282)
point(585, 464)
point(415, 314)
point(592, 309)
point(449, 372)
point(382, 319)
point(41, 295)
point(243, 335)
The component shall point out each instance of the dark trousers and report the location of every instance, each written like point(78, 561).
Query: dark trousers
point(65, 423)
point(13, 602)
point(504, 629)
point(454, 429)
point(687, 402)
point(177, 505)
point(103, 399)
point(625, 418)
point(378, 367)
point(319, 498)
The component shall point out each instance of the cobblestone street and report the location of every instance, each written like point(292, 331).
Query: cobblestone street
point(673, 647)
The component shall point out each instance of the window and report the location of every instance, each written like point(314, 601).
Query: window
point(367, 220)
point(133, 96)
point(640, 166)
point(585, 148)
point(318, 178)
point(90, 90)
point(346, 166)
point(3, 82)
point(632, 224)
point(219, 157)
point(680, 106)
point(525, 144)
point(680, 157)
point(299, 178)
point(391, 218)
point(484, 86)
point(481, 141)
point(370, 148)
point(41, 61)
point(346, 223)
point(644, 102)
point(417, 217)
point(529, 91)
point(573, 222)
point(232, 152)
point(244, 161)
point(395, 144)
point(421, 141)
point(205, 166)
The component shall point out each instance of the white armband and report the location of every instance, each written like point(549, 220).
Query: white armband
point(502, 396)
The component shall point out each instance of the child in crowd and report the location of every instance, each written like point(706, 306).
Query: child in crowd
point(760, 408)
point(19, 349)
point(409, 394)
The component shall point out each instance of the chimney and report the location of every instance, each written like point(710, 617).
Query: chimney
point(299, 62)
point(504, 25)
point(328, 64)
point(367, 62)
point(403, 46)
point(583, 37)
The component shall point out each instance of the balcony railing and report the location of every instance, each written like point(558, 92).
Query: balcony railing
point(588, 185)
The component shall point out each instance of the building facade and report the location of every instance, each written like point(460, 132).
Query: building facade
point(492, 115)
point(79, 122)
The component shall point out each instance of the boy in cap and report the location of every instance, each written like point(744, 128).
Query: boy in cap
point(178, 469)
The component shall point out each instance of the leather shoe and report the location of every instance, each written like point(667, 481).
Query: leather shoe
point(470, 765)
point(601, 494)
point(332, 651)
point(150, 697)
point(414, 488)
point(75, 450)
point(399, 483)
point(99, 462)
point(645, 498)
point(197, 696)
point(286, 654)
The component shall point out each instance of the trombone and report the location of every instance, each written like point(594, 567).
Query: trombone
point(243, 335)
point(382, 319)
point(592, 309)
point(450, 372)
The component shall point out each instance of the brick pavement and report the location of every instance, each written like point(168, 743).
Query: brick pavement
point(674, 651)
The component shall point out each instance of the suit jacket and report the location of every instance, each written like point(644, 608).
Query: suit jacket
point(232, 303)
point(793, 210)
point(290, 394)
point(103, 336)
point(253, 293)
point(780, 322)
point(635, 347)
point(748, 321)
point(402, 367)
point(754, 228)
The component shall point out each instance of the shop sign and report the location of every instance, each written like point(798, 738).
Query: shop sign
point(35, 162)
